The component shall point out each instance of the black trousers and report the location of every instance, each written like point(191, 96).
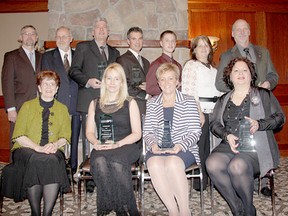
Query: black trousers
point(204, 151)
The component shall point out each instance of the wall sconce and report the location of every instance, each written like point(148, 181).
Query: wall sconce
point(214, 41)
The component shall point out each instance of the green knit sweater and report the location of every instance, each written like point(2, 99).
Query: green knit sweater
point(29, 123)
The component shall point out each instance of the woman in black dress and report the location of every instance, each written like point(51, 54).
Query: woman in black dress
point(111, 159)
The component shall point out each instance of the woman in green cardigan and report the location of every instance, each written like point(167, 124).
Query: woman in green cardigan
point(42, 129)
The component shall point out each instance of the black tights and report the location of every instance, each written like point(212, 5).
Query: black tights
point(48, 192)
point(233, 175)
point(114, 187)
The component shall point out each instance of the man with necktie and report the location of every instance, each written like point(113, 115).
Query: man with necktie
point(19, 73)
point(135, 67)
point(88, 65)
point(267, 76)
point(59, 60)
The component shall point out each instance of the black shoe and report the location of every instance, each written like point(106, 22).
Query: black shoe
point(90, 186)
point(267, 192)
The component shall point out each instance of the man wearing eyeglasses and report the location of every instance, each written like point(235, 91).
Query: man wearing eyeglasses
point(59, 60)
point(19, 73)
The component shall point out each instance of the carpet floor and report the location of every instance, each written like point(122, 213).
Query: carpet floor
point(154, 207)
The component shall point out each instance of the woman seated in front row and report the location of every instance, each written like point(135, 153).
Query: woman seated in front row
point(233, 170)
point(42, 129)
point(171, 132)
point(112, 156)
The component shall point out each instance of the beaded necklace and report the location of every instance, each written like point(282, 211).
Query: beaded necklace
point(235, 120)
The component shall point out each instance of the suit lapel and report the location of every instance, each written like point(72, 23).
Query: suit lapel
point(23, 55)
point(94, 48)
point(135, 61)
point(258, 54)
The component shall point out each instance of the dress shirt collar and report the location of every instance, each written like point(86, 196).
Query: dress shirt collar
point(69, 52)
point(28, 51)
point(134, 53)
point(167, 58)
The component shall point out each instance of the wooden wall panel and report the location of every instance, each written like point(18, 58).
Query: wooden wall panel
point(4, 133)
point(21, 6)
point(277, 42)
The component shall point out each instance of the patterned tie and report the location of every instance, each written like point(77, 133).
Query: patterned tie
point(103, 53)
point(246, 50)
point(140, 61)
point(66, 62)
point(31, 58)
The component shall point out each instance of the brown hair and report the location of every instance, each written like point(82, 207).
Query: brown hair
point(195, 42)
point(229, 68)
point(47, 75)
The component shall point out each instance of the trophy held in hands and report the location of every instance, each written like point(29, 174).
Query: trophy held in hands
point(246, 139)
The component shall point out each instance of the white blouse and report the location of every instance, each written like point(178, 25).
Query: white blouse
point(199, 81)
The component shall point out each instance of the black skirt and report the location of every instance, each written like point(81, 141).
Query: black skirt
point(31, 168)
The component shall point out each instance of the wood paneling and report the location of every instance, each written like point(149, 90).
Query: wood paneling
point(123, 44)
point(21, 6)
point(268, 20)
point(4, 133)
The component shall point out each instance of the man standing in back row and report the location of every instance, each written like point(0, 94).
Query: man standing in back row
point(260, 56)
point(19, 73)
point(135, 67)
point(59, 60)
point(88, 64)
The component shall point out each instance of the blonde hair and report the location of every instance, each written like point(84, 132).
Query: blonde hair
point(123, 91)
point(165, 67)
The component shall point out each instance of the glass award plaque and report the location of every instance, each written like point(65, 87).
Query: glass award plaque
point(106, 129)
point(136, 76)
point(164, 136)
point(246, 141)
point(101, 66)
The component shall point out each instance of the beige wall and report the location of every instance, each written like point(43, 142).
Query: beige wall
point(11, 24)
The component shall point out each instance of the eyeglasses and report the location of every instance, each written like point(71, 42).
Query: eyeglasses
point(29, 34)
point(64, 37)
point(46, 85)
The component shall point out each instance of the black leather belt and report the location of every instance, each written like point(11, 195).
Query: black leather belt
point(206, 99)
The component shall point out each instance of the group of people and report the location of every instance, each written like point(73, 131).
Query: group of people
point(95, 81)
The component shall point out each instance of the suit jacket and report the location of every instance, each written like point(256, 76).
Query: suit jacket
point(19, 78)
point(264, 67)
point(135, 74)
point(186, 129)
point(84, 66)
point(68, 90)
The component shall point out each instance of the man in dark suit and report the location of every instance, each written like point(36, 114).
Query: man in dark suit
point(59, 60)
point(89, 61)
point(135, 67)
point(19, 73)
point(267, 76)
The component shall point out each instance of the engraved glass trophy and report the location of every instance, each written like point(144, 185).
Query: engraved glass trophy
point(164, 135)
point(106, 129)
point(136, 76)
point(101, 66)
point(246, 141)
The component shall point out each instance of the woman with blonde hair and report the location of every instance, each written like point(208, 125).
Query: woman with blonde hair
point(111, 159)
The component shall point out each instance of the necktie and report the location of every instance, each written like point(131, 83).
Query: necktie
point(31, 58)
point(140, 61)
point(103, 53)
point(66, 62)
point(246, 50)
